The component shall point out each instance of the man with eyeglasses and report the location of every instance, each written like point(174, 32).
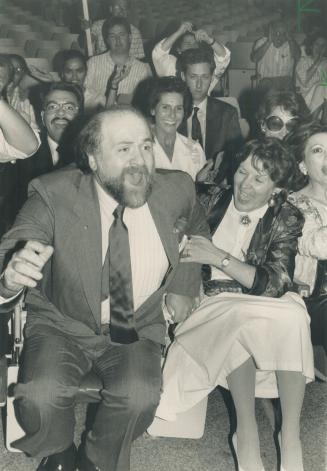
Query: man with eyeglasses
point(115, 74)
point(61, 103)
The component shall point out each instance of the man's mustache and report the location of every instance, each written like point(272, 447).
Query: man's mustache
point(59, 119)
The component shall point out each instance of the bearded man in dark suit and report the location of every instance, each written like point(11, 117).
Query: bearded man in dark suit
point(75, 320)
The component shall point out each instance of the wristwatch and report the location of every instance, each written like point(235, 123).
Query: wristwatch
point(225, 261)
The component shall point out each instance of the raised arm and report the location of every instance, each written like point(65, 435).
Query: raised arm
point(16, 131)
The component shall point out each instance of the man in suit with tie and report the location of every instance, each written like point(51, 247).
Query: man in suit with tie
point(61, 104)
point(212, 122)
point(103, 243)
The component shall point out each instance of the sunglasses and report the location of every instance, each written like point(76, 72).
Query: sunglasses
point(274, 123)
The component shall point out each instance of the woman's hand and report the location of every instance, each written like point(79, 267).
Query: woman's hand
point(205, 174)
point(198, 249)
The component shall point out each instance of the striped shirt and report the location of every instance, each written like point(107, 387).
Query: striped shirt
point(148, 258)
point(136, 49)
point(99, 69)
point(277, 61)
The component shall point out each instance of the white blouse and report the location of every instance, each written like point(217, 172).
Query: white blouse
point(188, 156)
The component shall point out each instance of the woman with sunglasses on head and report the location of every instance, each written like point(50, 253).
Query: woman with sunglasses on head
point(309, 143)
point(280, 112)
point(255, 341)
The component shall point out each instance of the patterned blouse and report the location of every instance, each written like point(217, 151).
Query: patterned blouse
point(312, 245)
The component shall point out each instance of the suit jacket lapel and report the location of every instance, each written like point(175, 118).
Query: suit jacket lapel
point(165, 229)
point(89, 243)
point(218, 211)
point(213, 122)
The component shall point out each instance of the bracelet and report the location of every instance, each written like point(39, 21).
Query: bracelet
point(213, 42)
point(113, 88)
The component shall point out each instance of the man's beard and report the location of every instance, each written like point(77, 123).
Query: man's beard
point(127, 194)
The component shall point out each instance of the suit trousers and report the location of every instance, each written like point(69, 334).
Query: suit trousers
point(52, 369)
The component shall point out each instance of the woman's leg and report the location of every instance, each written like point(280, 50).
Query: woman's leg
point(241, 383)
point(291, 387)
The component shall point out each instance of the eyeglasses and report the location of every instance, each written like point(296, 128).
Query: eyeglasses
point(68, 107)
point(274, 123)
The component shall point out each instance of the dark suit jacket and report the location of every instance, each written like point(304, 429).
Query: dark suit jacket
point(273, 247)
point(63, 210)
point(222, 127)
point(39, 164)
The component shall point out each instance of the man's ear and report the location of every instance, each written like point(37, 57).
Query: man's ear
point(183, 76)
point(262, 126)
point(42, 117)
point(92, 163)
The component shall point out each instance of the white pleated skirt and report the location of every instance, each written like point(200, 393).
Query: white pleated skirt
point(224, 332)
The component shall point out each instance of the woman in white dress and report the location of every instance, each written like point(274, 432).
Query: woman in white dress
point(256, 342)
point(168, 101)
point(309, 143)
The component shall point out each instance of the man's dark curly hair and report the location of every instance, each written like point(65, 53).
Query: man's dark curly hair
point(170, 84)
point(199, 55)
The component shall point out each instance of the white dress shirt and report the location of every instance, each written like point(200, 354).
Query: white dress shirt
point(234, 237)
point(202, 117)
point(277, 61)
point(54, 150)
point(148, 258)
point(188, 156)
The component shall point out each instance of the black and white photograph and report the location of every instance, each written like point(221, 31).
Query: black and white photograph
point(163, 235)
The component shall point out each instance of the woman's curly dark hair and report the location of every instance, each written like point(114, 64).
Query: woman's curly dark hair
point(296, 141)
point(311, 39)
point(275, 158)
point(170, 84)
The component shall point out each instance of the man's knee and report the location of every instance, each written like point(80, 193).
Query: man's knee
point(45, 393)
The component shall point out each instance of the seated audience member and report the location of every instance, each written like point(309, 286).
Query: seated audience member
point(18, 97)
point(311, 71)
point(213, 123)
point(75, 321)
point(276, 56)
point(115, 74)
point(280, 112)
point(61, 103)
point(185, 38)
point(255, 342)
point(169, 101)
point(72, 69)
point(17, 141)
point(115, 8)
point(309, 143)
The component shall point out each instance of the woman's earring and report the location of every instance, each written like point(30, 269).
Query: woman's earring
point(272, 200)
point(303, 168)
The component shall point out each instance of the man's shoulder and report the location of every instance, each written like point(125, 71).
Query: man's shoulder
point(59, 181)
point(221, 105)
point(99, 58)
point(174, 182)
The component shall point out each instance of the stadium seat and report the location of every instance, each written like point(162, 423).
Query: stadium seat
point(32, 46)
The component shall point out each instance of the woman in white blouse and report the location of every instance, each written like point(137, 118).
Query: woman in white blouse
point(309, 143)
point(169, 100)
point(256, 342)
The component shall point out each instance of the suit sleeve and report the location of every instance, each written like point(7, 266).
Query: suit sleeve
point(188, 275)
point(35, 221)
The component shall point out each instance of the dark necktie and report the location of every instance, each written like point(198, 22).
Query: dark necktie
point(196, 127)
point(122, 328)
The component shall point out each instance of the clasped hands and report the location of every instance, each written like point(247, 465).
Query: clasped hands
point(199, 34)
point(24, 269)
